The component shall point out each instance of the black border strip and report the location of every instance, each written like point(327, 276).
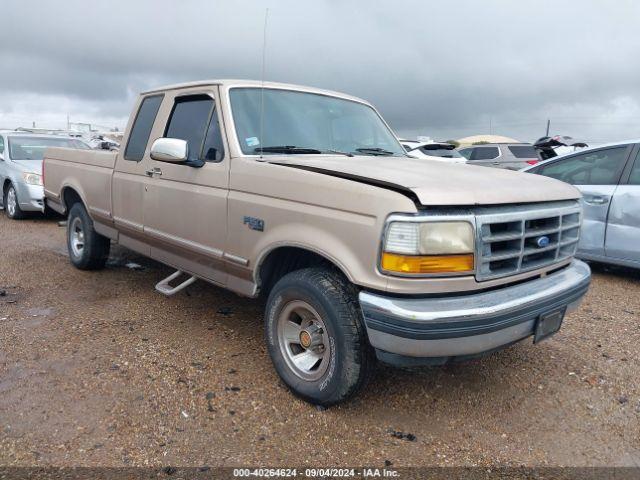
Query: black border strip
point(459, 327)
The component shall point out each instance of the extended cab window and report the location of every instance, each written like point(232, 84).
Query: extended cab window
point(194, 120)
point(1, 144)
point(139, 136)
point(602, 167)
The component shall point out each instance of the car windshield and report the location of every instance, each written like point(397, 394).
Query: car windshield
point(306, 123)
point(32, 148)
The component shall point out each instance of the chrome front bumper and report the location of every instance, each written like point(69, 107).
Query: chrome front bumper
point(440, 328)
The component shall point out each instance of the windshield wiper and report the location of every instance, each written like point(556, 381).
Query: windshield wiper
point(339, 152)
point(286, 149)
point(374, 151)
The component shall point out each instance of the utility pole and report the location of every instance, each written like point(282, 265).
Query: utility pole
point(548, 125)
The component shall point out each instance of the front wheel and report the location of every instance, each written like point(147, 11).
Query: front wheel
point(88, 250)
point(11, 204)
point(316, 337)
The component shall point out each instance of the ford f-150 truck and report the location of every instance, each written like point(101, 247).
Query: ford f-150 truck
point(306, 197)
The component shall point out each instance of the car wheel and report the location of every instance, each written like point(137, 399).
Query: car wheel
point(88, 250)
point(11, 204)
point(316, 337)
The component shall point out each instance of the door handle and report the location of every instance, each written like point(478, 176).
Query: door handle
point(596, 200)
point(153, 171)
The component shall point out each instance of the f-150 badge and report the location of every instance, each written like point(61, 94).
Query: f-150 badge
point(254, 223)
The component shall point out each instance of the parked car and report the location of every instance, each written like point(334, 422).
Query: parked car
point(609, 178)
point(512, 156)
point(21, 169)
point(306, 197)
point(444, 152)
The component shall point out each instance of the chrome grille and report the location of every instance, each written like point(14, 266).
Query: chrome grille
point(509, 239)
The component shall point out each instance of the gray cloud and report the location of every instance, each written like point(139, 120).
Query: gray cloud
point(444, 69)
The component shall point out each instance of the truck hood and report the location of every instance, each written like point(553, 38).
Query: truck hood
point(438, 183)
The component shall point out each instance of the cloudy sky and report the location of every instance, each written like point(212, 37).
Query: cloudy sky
point(444, 69)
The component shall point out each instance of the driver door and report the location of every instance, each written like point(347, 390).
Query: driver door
point(185, 208)
point(596, 174)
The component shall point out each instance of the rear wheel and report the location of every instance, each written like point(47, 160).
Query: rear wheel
point(88, 250)
point(316, 337)
point(11, 204)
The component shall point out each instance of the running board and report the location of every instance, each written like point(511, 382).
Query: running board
point(165, 288)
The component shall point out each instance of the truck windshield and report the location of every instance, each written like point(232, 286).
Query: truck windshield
point(32, 148)
point(306, 123)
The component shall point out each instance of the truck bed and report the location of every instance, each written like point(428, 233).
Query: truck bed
point(89, 171)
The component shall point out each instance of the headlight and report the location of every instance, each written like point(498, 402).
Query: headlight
point(32, 178)
point(428, 247)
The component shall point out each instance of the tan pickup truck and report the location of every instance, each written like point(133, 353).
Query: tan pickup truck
point(306, 197)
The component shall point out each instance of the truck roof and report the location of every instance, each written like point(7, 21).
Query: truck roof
point(253, 83)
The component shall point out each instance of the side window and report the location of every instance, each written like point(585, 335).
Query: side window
point(591, 168)
point(485, 153)
point(194, 120)
point(1, 144)
point(634, 178)
point(213, 150)
point(139, 136)
point(466, 153)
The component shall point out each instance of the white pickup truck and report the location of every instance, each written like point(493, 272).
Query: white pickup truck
point(306, 197)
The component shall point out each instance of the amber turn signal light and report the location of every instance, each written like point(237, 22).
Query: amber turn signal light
point(392, 262)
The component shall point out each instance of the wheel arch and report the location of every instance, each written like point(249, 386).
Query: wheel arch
point(70, 196)
point(5, 184)
point(281, 259)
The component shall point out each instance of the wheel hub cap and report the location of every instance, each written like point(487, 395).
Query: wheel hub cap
point(303, 340)
point(11, 201)
point(311, 337)
point(76, 237)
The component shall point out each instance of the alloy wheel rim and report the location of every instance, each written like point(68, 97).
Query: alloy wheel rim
point(303, 340)
point(76, 237)
point(11, 202)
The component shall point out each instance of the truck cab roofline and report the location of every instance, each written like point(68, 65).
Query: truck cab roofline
point(230, 83)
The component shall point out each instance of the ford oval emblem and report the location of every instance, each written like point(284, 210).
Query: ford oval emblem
point(542, 242)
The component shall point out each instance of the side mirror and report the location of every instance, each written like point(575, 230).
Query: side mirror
point(172, 150)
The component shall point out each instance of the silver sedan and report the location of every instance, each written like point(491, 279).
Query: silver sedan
point(21, 169)
point(609, 178)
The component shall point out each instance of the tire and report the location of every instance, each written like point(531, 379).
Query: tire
point(88, 250)
point(325, 305)
point(11, 204)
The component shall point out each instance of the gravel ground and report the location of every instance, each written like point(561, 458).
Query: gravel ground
point(97, 369)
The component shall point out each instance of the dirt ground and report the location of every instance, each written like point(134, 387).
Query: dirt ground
point(97, 369)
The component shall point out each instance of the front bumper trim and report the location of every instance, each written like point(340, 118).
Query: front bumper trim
point(469, 324)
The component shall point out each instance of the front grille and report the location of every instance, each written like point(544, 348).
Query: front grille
point(509, 239)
